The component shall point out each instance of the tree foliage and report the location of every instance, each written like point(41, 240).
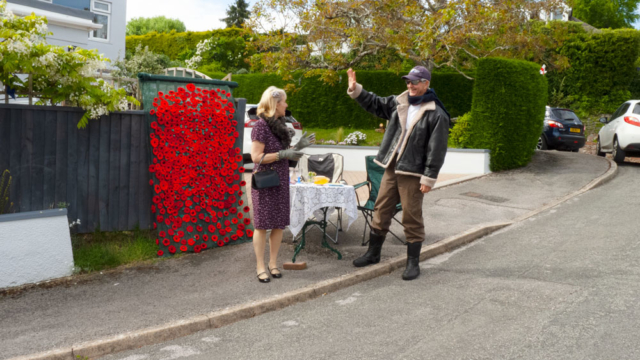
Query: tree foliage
point(237, 14)
point(160, 24)
point(221, 54)
point(435, 33)
point(614, 14)
point(177, 46)
point(58, 74)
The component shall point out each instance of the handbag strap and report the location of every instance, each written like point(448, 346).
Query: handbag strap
point(260, 163)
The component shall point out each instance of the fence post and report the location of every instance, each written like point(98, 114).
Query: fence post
point(30, 89)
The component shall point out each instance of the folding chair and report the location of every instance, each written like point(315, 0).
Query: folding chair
point(374, 177)
point(330, 165)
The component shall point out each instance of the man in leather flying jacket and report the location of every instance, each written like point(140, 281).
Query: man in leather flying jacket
point(412, 153)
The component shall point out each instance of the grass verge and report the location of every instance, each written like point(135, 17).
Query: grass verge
point(323, 135)
point(105, 250)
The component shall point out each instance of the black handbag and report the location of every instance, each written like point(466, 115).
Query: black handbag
point(264, 179)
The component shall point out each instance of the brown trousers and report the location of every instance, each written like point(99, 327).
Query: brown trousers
point(404, 189)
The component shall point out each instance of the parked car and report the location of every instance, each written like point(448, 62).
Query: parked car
point(251, 118)
point(563, 130)
point(621, 134)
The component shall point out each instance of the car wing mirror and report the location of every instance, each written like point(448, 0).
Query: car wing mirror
point(603, 120)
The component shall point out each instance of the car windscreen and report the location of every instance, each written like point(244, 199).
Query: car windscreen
point(565, 115)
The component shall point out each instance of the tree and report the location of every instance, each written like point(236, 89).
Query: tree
point(433, 33)
point(141, 25)
point(613, 14)
point(57, 73)
point(221, 54)
point(142, 60)
point(237, 14)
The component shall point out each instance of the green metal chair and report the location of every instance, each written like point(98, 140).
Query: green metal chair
point(374, 177)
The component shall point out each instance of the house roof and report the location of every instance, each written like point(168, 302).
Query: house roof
point(63, 10)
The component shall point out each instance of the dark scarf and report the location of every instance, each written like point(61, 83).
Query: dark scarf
point(279, 128)
point(430, 95)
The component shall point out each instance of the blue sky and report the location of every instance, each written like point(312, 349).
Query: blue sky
point(197, 15)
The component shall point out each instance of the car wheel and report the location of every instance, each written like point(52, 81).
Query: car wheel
point(542, 144)
point(599, 149)
point(618, 154)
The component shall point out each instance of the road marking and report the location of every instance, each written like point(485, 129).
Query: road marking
point(290, 323)
point(346, 301)
point(180, 351)
point(136, 357)
point(211, 339)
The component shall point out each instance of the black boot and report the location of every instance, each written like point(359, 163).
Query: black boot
point(413, 261)
point(372, 256)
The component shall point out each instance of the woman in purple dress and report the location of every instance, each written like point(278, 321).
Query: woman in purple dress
point(271, 142)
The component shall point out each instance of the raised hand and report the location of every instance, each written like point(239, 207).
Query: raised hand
point(305, 141)
point(290, 154)
point(352, 79)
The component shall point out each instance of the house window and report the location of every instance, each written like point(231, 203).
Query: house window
point(101, 15)
point(74, 4)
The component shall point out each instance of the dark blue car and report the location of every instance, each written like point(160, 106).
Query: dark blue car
point(563, 130)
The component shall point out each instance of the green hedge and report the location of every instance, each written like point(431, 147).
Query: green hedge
point(174, 43)
point(602, 70)
point(319, 105)
point(509, 99)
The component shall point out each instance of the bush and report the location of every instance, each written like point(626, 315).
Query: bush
point(460, 135)
point(325, 106)
point(602, 71)
point(509, 99)
point(177, 45)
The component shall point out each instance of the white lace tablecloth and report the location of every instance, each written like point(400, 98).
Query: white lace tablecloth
point(306, 199)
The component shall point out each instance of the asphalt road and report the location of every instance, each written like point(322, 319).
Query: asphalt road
point(561, 285)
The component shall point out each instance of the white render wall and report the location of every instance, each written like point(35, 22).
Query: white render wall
point(457, 161)
point(35, 248)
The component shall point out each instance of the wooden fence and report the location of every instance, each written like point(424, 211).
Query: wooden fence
point(100, 173)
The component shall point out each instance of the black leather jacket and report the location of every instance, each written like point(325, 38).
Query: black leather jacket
point(422, 152)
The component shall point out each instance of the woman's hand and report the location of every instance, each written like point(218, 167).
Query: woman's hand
point(352, 79)
point(424, 188)
point(305, 141)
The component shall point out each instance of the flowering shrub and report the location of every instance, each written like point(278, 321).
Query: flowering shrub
point(57, 74)
point(197, 171)
point(220, 54)
point(354, 137)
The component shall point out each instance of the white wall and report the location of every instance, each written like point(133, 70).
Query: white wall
point(64, 36)
point(457, 161)
point(36, 248)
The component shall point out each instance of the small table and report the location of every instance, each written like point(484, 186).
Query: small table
point(305, 199)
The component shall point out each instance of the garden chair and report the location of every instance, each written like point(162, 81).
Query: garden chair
point(330, 165)
point(374, 177)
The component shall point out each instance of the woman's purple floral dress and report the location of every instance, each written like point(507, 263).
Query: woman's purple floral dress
point(271, 205)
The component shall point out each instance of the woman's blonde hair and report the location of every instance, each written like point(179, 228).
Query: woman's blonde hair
point(270, 98)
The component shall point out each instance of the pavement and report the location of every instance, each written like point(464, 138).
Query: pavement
point(98, 314)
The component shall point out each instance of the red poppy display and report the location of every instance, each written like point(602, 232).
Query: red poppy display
point(196, 169)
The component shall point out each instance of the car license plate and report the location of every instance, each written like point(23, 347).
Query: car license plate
point(576, 130)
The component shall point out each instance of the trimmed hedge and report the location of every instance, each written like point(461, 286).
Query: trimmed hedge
point(320, 105)
point(174, 43)
point(507, 114)
point(602, 70)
